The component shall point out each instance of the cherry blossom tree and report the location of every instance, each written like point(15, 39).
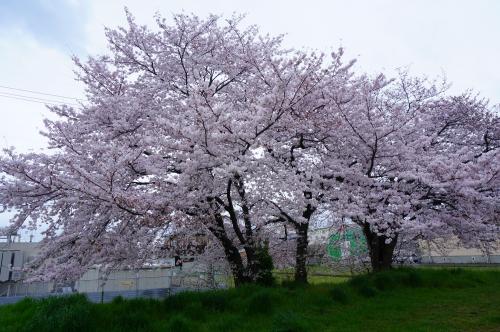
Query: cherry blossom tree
point(291, 159)
point(206, 130)
point(405, 158)
point(168, 140)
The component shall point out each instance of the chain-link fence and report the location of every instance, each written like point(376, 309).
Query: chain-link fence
point(104, 286)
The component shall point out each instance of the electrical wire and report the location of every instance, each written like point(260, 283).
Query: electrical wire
point(39, 93)
point(33, 100)
point(44, 100)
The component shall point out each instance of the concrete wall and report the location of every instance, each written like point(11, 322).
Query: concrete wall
point(21, 288)
point(451, 252)
point(461, 259)
point(124, 280)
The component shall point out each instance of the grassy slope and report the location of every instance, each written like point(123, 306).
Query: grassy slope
point(400, 300)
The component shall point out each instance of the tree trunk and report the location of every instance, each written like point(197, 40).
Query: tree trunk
point(231, 252)
point(381, 253)
point(252, 267)
point(237, 268)
point(301, 252)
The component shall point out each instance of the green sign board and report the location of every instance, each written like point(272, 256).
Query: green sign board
point(347, 242)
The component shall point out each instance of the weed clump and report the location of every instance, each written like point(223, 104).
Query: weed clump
point(339, 295)
point(292, 284)
point(359, 281)
point(215, 301)
point(179, 323)
point(117, 300)
point(226, 323)
point(260, 302)
point(367, 291)
point(289, 321)
point(384, 281)
point(66, 313)
point(413, 279)
point(131, 314)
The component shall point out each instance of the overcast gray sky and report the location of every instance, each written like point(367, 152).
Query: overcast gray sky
point(460, 39)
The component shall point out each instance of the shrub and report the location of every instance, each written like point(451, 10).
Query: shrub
point(265, 266)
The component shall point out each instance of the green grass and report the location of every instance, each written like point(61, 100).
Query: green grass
point(312, 278)
point(399, 300)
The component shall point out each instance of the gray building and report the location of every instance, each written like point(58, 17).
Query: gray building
point(14, 255)
point(164, 274)
point(451, 252)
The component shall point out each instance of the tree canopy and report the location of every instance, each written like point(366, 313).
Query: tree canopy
point(206, 127)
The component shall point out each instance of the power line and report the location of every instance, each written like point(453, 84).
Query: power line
point(28, 99)
point(6, 94)
point(40, 93)
point(32, 100)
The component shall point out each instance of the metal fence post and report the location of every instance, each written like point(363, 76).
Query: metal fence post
point(101, 284)
point(137, 283)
